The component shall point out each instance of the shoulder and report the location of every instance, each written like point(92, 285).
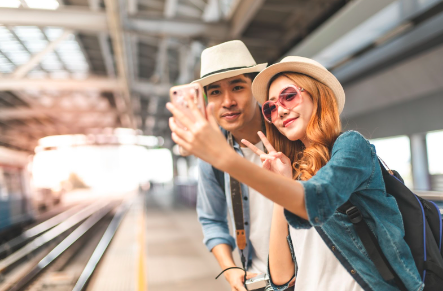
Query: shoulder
point(205, 168)
point(354, 141)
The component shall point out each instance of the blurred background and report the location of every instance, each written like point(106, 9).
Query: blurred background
point(84, 128)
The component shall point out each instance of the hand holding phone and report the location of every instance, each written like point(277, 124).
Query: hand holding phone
point(178, 96)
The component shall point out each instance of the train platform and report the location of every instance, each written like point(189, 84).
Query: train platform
point(116, 242)
point(157, 248)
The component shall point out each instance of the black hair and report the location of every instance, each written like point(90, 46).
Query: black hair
point(250, 76)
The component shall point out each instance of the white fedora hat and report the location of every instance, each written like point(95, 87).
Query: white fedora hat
point(306, 66)
point(226, 60)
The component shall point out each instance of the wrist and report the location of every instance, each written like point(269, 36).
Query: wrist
point(233, 273)
point(225, 163)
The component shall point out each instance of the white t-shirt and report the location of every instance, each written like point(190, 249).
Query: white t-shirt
point(318, 268)
point(260, 215)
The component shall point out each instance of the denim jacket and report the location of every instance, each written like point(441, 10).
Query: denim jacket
point(213, 205)
point(353, 173)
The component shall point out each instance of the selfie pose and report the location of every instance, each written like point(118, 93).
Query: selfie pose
point(310, 171)
point(227, 72)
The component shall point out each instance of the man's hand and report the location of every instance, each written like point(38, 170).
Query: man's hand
point(235, 278)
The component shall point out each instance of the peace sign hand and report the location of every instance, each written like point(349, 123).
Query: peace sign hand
point(274, 161)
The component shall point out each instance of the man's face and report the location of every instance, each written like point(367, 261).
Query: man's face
point(234, 105)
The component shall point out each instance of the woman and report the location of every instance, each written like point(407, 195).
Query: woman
point(311, 170)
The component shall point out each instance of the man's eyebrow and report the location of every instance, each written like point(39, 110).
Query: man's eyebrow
point(236, 81)
point(213, 86)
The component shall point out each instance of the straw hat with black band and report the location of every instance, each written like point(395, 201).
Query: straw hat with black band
point(302, 65)
point(226, 60)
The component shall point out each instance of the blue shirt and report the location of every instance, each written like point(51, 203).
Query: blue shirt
point(213, 205)
point(353, 173)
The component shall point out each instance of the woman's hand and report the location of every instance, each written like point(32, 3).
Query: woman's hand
point(274, 161)
point(201, 137)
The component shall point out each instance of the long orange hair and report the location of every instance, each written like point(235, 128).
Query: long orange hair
point(323, 129)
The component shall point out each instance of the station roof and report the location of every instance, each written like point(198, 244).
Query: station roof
point(76, 66)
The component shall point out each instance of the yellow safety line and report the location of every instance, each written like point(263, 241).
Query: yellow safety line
point(141, 257)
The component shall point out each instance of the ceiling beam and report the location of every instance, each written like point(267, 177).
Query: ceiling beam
point(134, 54)
point(170, 8)
point(162, 69)
point(132, 6)
point(76, 19)
point(421, 37)
point(96, 21)
point(397, 84)
point(160, 90)
point(176, 28)
point(114, 14)
point(21, 71)
point(243, 16)
point(21, 142)
point(91, 84)
point(25, 113)
point(106, 52)
point(153, 4)
point(36, 105)
point(188, 58)
point(349, 17)
point(212, 11)
point(94, 5)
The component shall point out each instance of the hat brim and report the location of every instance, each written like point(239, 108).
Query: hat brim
point(260, 85)
point(228, 74)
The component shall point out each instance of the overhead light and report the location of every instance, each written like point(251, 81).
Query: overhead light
point(10, 3)
point(43, 4)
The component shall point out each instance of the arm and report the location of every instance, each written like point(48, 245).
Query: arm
point(281, 190)
point(204, 139)
point(235, 277)
point(212, 209)
point(212, 212)
point(312, 202)
point(348, 171)
point(281, 265)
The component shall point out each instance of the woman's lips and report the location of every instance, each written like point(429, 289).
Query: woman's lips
point(287, 122)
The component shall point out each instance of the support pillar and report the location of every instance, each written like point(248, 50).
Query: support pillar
point(419, 157)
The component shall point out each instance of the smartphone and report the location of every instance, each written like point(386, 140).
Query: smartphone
point(178, 94)
point(195, 91)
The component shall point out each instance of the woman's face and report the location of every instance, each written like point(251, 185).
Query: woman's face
point(292, 123)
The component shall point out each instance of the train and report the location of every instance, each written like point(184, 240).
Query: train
point(20, 201)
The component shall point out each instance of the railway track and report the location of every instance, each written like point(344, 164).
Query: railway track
point(62, 255)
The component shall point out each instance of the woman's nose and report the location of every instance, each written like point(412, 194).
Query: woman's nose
point(282, 111)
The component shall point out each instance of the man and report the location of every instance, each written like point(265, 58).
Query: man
point(227, 72)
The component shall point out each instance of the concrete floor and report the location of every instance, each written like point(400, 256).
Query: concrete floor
point(177, 259)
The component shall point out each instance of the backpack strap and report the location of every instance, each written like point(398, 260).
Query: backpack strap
point(370, 243)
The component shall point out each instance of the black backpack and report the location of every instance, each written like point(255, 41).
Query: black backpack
point(423, 233)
